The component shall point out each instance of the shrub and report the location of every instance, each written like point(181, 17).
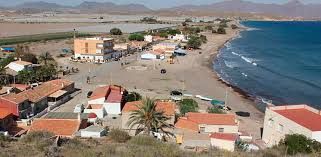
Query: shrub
point(214, 31)
point(221, 30)
point(223, 24)
point(144, 141)
point(215, 110)
point(209, 28)
point(133, 96)
point(119, 136)
point(136, 36)
point(297, 143)
point(116, 31)
point(188, 20)
point(203, 38)
point(37, 136)
point(233, 26)
point(194, 42)
point(188, 105)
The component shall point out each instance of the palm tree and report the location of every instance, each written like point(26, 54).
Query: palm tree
point(147, 118)
point(45, 58)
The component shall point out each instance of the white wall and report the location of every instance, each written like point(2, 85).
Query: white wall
point(101, 113)
point(90, 134)
point(97, 101)
point(223, 144)
point(316, 135)
point(112, 108)
point(215, 128)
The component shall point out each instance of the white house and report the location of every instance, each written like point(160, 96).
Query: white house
point(98, 109)
point(152, 55)
point(294, 119)
point(224, 141)
point(148, 38)
point(93, 132)
point(19, 65)
point(110, 97)
point(179, 37)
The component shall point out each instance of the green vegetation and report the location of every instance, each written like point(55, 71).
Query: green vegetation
point(215, 109)
point(188, 105)
point(118, 135)
point(41, 74)
point(136, 36)
point(133, 96)
point(221, 30)
point(29, 57)
point(148, 119)
point(203, 38)
point(149, 20)
point(39, 37)
point(188, 20)
point(233, 26)
point(116, 31)
point(191, 30)
point(194, 42)
point(297, 143)
point(208, 27)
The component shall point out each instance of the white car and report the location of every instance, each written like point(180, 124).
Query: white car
point(79, 108)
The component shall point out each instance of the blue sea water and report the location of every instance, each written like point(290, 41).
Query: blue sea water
point(278, 61)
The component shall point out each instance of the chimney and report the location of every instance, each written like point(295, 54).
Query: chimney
point(78, 117)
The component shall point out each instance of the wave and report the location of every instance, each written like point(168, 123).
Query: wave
point(245, 75)
point(231, 64)
point(253, 29)
point(228, 45)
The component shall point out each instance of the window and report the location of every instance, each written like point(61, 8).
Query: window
point(202, 129)
point(280, 128)
point(220, 129)
point(271, 122)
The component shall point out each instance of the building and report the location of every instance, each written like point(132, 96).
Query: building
point(6, 120)
point(93, 132)
point(179, 37)
point(97, 49)
point(109, 97)
point(63, 127)
point(19, 65)
point(224, 141)
point(148, 38)
point(208, 123)
point(98, 109)
point(152, 55)
point(35, 100)
point(167, 106)
point(122, 47)
point(294, 119)
point(166, 47)
point(138, 45)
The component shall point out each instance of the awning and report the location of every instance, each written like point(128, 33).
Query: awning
point(58, 94)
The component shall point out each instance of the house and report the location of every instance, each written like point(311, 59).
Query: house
point(93, 132)
point(293, 119)
point(110, 97)
point(224, 141)
point(167, 107)
point(152, 55)
point(59, 127)
point(98, 109)
point(167, 47)
point(19, 65)
point(208, 123)
point(122, 47)
point(148, 38)
point(138, 45)
point(97, 49)
point(7, 120)
point(179, 37)
point(35, 100)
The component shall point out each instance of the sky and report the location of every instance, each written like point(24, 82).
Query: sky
point(154, 4)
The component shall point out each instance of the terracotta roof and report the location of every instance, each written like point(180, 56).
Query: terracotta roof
point(4, 113)
point(303, 117)
point(167, 107)
point(40, 92)
point(99, 92)
point(183, 123)
point(212, 119)
point(59, 127)
point(21, 87)
point(112, 94)
point(224, 136)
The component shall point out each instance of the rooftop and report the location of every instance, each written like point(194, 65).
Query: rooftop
point(65, 115)
point(22, 62)
point(184, 123)
point(224, 136)
point(59, 127)
point(303, 115)
point(93, 128)
point(167, 107)
point(112, 94)
point(4, 113)
point(212, 119)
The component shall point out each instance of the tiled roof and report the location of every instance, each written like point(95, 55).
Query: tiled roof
point(59, 127)
point(224, 136)
point(65, 115)
point(21, 87)
point(167, 107)
point(184, 123)
point(212, 119)
point(303, 117)
point(112, 94)
point(4, 113)
point(99, 92)
point(22, 62)
point(40, 92)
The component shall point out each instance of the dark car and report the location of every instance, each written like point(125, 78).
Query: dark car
point(176, 93)
point(243, 114)
point(89, 94)
point(163, 71)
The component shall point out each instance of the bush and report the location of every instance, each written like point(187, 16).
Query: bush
point(214, 31)
point(188, 105)
point(188, 20)
point(136, 36)
point(215, 110)
point(173, 31)
point(40, 139)
point(209, 28)
point(221, 30)
point(233, 26)
point(116, 31)
point(144, 141)
point(133, 96)
point(203, 38)
point(194, 42)
point(119, 136)
point(223, 24)
point(297, 143)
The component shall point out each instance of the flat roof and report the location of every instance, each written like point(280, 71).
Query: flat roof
point(65, 115)
point(302, 115)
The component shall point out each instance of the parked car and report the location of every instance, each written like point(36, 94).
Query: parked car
point(176, 93)
point(79, 108)
point(89, 94)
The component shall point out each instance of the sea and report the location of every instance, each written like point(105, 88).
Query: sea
point(279, 62)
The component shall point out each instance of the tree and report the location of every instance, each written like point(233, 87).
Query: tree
point(29, 57)
point(209, 28)
point(221, 30)
point(233, 26)
point(203, 38)
point(297, 143)
point(45, 58)
point(147, 118)
point(21, 50)
point(173, 31)
point(116, 31)
point(188, 20)
point(215, 110)
point(136, 36)
point(194, 42)
point(133, 96)
point(188, 105)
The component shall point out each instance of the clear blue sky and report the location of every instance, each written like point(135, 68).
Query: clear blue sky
point(148, 3)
